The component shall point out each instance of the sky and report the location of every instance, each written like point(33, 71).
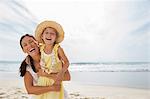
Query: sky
point(95, 30)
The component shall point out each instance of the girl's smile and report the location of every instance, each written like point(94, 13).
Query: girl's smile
point(49, 35)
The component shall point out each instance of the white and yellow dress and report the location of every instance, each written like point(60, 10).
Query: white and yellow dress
point(54, 65)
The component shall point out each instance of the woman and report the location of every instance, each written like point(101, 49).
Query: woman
point(30, 68)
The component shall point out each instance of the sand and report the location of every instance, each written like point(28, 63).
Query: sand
point(12, 87)
point(11, 90)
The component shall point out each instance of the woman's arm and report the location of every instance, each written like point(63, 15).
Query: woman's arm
point(28, 80)
point(66, 77)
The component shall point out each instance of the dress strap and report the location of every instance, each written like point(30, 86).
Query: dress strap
point(56, 51)
point(42, 47)
point(56, 46)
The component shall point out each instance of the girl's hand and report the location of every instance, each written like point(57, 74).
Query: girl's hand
point(41, 73)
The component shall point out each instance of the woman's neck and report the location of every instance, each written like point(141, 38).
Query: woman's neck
point(36, 62)
point(36, 58)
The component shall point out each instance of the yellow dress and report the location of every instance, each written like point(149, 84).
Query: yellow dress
point(54, 65)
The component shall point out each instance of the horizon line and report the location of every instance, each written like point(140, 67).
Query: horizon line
point(11, 61)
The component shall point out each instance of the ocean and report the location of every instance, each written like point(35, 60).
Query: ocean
point(124, 74)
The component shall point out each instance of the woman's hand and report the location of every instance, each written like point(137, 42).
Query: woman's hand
point(55, 87)
point(58, 78)
point(57, 82)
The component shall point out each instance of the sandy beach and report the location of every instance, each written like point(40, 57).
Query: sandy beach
point(14, 89)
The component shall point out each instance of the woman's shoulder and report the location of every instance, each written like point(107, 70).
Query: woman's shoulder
point(28, 68)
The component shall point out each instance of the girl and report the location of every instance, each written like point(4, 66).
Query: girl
point(53, 59)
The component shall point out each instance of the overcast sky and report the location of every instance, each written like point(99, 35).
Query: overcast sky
point(95, 31)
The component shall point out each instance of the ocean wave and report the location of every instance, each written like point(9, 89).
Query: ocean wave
point(88, 67)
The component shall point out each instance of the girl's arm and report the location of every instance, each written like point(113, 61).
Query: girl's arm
point(28, 81)
point(65, 63)
point(59, 76)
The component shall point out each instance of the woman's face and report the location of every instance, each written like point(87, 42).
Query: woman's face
point(49, 35)
point(30, 46)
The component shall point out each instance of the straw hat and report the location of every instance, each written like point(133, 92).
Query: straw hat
point(53, 24)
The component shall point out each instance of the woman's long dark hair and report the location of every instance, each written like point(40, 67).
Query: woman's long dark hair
point(23, 66)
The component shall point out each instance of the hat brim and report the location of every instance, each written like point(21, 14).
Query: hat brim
point(53, 24)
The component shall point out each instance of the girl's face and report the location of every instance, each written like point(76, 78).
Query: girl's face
point(30, 46)
point(49, 36)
